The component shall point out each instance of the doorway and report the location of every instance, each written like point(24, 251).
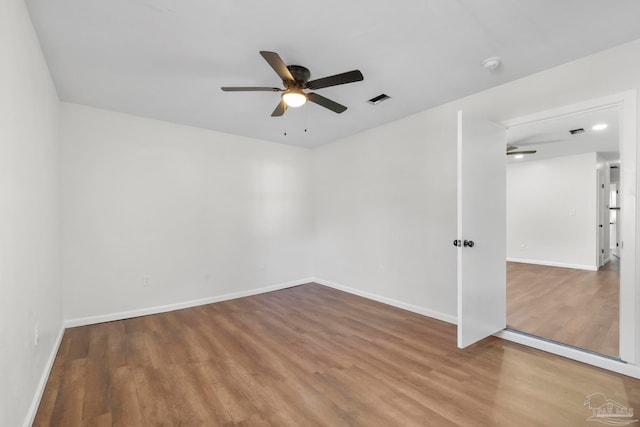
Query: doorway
point(562, 284)
point(477, 214)
point(625, 228)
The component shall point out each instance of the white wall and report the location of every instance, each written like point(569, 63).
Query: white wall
point(552, 211)
point(385, 199)
point(384, 217)
point(30, 290)
point(201, 213)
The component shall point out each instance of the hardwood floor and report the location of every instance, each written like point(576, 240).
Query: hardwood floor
point(311, 356)
point(576, 307)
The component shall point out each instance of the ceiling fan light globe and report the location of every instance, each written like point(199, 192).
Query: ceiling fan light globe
point(294, 98)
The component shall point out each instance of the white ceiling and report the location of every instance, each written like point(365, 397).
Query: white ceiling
point(167, 59)
point(551, 138)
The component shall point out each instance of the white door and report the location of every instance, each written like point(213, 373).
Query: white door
point(600, 219)
point(481, 240)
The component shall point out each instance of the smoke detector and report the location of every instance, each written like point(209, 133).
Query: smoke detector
point(492, 63)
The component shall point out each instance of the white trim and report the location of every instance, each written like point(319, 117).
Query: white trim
point(82, 321)
point(553, 264)
point(458, 249)
point(399, 304)
point(629, 296)
point(572, 353)
point(572, 109)
point(35, 403)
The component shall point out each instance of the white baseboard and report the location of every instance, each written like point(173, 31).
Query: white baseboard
point(403, 305)
point(572, 353)
point(553, 264)
point(82, 321)
point(35, 403)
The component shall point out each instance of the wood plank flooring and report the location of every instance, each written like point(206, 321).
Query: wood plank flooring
point(576, 307)
point(311, 356)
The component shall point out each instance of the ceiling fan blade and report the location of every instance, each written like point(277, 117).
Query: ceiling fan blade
point(511, 148)
point(338, 79)
point(535, 141)
point(522, 152)
point(277, 64)
point(280, 109)
point(326, 103)
point(251, 89)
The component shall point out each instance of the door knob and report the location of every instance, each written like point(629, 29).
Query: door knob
point(468, 243)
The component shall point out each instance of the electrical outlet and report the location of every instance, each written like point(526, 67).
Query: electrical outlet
point(36, 334)
point(146, 281)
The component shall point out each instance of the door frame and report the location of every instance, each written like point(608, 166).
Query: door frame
point(629, 296)
point(604, 213)
point(600, 215)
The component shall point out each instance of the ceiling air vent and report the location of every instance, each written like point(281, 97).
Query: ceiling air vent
point(576, 131)
point(378, 99)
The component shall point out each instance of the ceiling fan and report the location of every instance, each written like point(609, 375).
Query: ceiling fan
point(295, 78)
point(511, 150)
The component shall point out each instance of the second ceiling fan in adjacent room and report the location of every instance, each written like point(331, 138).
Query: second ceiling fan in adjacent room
point(511, 151)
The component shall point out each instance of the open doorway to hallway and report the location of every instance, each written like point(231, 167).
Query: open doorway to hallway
point(563, 275)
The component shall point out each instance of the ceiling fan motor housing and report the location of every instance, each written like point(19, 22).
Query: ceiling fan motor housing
point(300, 74)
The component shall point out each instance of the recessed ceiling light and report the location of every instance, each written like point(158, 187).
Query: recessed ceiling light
point(599, 126)
point(518, 156)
